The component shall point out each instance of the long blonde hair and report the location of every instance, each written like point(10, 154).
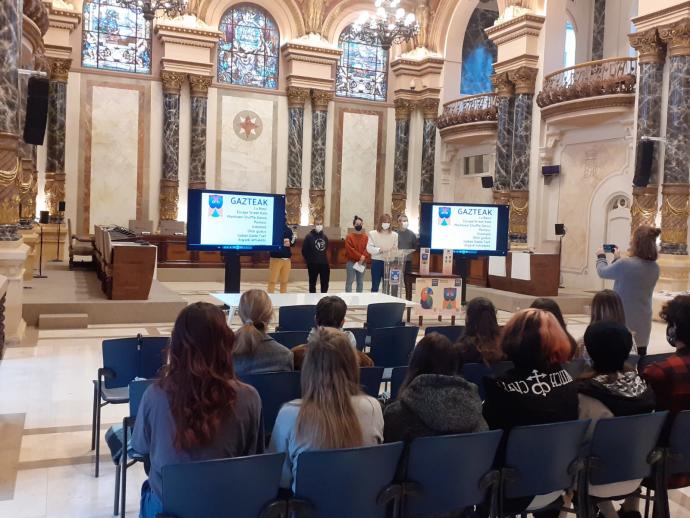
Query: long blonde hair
point(255, 311)
point(330, 377)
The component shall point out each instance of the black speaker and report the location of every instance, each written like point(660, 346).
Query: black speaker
point(643, 163)
point(559, 229)
point(45, 217)
point(36, 110)
point(61, 206)
point(551, 170)
point(487, 182)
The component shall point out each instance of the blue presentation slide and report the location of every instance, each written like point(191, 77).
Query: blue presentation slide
point(464, 227)
point(236, 219)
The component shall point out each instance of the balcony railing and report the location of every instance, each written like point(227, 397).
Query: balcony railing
point(592, 79)
point(473, 108)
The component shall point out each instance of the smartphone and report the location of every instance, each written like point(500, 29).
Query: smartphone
point(609, 249)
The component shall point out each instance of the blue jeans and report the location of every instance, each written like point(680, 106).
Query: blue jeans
point(377, 269)
point(353, 274)
point(150, 503)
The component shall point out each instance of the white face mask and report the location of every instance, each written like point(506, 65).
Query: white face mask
point(404, 224)
point(319, 228)
point(385, 226)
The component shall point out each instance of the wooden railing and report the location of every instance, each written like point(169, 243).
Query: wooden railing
point(473, 108)
point(592, 79)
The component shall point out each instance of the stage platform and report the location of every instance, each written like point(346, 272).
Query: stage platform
point(79, 292)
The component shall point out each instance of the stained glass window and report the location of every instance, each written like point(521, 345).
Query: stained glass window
point(478, 54)
point(570, 43)
point(363, 69)
point(115, 38)
point(249, 53)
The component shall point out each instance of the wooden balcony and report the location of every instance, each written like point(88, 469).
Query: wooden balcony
point(589, 92)
point(469, 120)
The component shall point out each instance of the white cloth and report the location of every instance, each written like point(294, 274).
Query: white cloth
point(381, 242)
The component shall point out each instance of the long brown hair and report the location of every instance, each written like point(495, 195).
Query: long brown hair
point(434, 354)
point(644, 243)
point(384, 218)
point(533, 338)
point(481, 328)
point(330, 377)
point(199, 377)
point(607, 306)
point(255, 311)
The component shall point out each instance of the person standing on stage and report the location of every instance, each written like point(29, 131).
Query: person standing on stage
point(315, 253)
point(407, 240)
point(356, 252)
point(280, 263)
point(381, 241)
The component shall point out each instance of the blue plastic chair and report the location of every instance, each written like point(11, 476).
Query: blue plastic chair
point(648, 359)
point(360, 336)
point(359, 482)
point(370, 379)
point(541, 459)
point(435, 482)
point(384, 314)
point(242, 487)
point(397, 378)
point(453, 333)
point(475, 373)
point(392, 346)
point(296, 318)
point(124, 359)
point(275, 389)
point(290, 339)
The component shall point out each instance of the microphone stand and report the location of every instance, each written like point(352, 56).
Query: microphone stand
point(57, 256)
point(40, 258)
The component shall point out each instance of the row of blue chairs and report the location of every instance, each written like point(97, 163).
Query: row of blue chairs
point(301, 317)
point(444, 474)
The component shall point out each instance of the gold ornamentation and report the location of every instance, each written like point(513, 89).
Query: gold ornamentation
point(172, 81)
point(316, 204)
point(519, 211)
point(297, 96)
point(523, 78)
point(314, 12)
point(198, 85)
point(59, 69)
point(648, 45)
point(501, 197)
point(430, 108)
point(55, 191)
point(169, 197)
point(503, 85)
point(9, 208)
point(398, 205)
point(644, 207)
point(293, 205)
point(37, 13)
point(403, 109)
point(423, 19)
point(320, 99)
point(197, 184)
point(8, 176)
point(674, 214)
point(677, 37)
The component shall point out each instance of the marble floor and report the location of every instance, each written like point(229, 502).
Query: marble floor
point(46, 466)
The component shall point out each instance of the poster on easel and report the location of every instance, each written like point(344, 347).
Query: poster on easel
point(428, 295)
point(424, 260)
point(450, 303)
point(447, 262)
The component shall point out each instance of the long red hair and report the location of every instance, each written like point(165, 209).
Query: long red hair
point(199, 377)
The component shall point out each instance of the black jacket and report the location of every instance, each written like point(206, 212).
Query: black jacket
point(285, 252)
point(314, 248)
point(623, 393)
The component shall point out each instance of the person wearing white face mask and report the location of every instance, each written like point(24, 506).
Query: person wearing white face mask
point(381, 241)
point(407, 240)
point(315, 253)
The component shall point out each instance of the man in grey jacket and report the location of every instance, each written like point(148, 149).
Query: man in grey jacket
point(407, 240)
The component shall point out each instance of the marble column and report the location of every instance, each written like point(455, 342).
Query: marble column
point(649, 84)
point(27, 178)
point(426, 188)
point(293, 190)
point(57, 115)
point(598, 28)
point(170, 180)
point(523, 78)
point(198, 88)
point(317, 184)
point(674, 210)
point(403, 111)
point(504, 136)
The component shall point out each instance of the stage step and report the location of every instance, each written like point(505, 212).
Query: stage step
point(63, 321)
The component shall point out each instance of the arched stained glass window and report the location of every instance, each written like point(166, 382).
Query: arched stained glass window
point(363, 68)
point(115, 38)
point(570, 45)
point(479, 54)
point(248, 55)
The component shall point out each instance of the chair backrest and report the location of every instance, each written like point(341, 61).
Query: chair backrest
point(241, 486)
point(121, 355)
point(620, 447)
point(392, 346)
point(500, 368)
point(397, 377)
point(296, 318)
point(356, 477)
point(360, 336)
point(445, 485)
point(152, 355)
point(290, 339)
point(384, 314)
point(136, 392)
point(648, 359)
point(275, 389)
point(539, 458)
point(475, 373)
point(370, 379)
point(679, 446)
point(453, 333)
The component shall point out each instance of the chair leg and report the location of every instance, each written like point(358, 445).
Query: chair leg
point(116, 504)
point(123, 458)
point(98, 439)
point(93, 417)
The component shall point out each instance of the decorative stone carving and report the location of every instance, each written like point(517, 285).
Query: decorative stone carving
point(398, 205)
point(403, 109)
point(168, 200)
point(644, 207)
point(648, 45)
point(519, 211)
point(430, 108)
point(524, 79)
point(172, 81)
point(677, 37)
point(59, 69)
point(314, 12)
point(320, 99)
point(317, 205)
point(422, 14)
point(198, 85)
point(501, 197)
point(293, 205)
point(297, 97)
point(503, 85)
point(674, 219)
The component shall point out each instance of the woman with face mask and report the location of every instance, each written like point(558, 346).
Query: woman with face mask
point(356, 252)
point(382, 241)
point(315, 253)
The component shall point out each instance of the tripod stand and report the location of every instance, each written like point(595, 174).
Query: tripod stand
point(40, 257)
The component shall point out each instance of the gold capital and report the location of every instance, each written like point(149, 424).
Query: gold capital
point(59, 69)
point(403, 109)
point(198, 85)
point(430, 108)
point(648, 45)
point(523, 78)
point(297, 97)
point(172, 81)
point(320, 99)
point(502, 84)
point(677, 37)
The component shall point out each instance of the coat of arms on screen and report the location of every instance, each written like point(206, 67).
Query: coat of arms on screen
point(247, 125)
point(444, 216)
point(215, 206)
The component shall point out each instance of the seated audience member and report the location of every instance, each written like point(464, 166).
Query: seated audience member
point(611, 390)
point(333, 412)
point(480, 343)
point(433, 399)
point(552, 307)
point(330, 312)
point(607, 306)
point(256, 352)
point(198, 410)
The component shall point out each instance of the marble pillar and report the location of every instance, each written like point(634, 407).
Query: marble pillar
point(293, 190)
point(27, 178)
point(649, 84)
point(317, 184)
point(170, 181)
point(504, 134)
point(674, 210)
point(403, 111)
point(57, 116)
point(426, 188)
point(598, 28)
point(523, 78)
point(198, 88)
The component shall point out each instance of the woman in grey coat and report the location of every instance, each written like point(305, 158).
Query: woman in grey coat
point(634, 280)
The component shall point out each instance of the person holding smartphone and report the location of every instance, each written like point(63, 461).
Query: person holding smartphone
point(280, 263)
